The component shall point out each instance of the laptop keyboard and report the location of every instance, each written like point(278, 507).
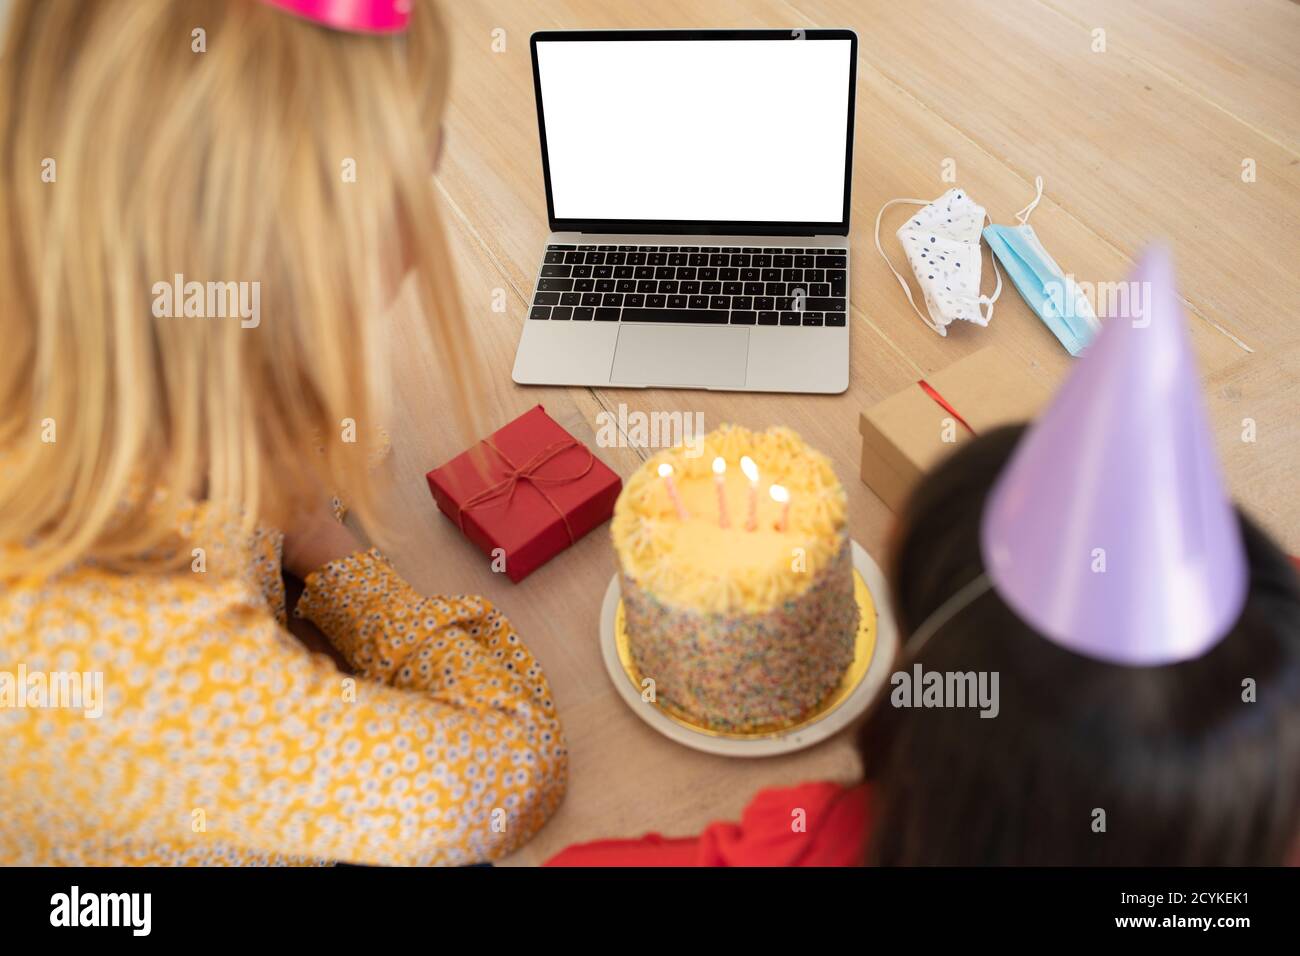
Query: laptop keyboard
point(713, 285)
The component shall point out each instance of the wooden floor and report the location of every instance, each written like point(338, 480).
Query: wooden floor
point(1145, 140)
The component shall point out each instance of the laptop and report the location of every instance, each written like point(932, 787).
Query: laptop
point(697, 189)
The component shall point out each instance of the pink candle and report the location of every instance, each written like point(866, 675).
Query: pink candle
point(720, 482)
point(781, 497)
point(751, 472)
point(666, 473)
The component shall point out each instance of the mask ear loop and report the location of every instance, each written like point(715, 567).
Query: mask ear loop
point(997, 289)
point(907, 290)
point(1022, 218)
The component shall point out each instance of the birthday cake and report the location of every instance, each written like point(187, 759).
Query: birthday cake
point(737, 579)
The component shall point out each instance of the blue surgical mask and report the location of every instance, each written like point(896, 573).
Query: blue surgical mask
point(1053, 295)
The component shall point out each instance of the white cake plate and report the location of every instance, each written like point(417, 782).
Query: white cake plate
point(767, 745)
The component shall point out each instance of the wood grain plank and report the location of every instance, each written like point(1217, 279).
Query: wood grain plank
point(1239, 56)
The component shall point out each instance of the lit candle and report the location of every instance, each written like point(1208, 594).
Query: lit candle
point(781, 497)
point(751, 472)
point(720, 481)
point(666, 473)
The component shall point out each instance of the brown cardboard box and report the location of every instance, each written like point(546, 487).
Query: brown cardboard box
point(907, 433)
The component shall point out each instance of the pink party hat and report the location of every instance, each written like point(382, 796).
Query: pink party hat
point(1109, 530)
point(352, 16)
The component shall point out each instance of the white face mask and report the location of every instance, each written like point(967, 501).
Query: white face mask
point(942, 242)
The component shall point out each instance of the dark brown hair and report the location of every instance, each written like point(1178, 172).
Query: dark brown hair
point(1185, 770)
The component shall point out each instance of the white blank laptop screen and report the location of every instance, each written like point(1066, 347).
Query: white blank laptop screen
point(712, 130)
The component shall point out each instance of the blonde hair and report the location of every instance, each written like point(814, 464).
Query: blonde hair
point(127, 157)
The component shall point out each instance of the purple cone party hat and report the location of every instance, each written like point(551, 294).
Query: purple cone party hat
point(1109, 531)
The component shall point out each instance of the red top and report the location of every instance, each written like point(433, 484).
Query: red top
point(812, 824)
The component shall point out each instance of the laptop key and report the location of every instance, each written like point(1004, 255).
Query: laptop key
point(775, 288)
point(729, 274)
point(556, 271)
point(581, 285)
point(791, 275)
point(554, 258)
point(604, 285)
point(686, 316)
point(809, 318)
point(732, 288)
point(622, 272)
point(783, 261)
point(634, 300)
point(719, 302)
point(579, 272)
point(646, 285)
point(583, 313)
point(540, 312)
point(687, 272)
point(570, 298)
point(767, 318)
point(688, 288)
point(606, 315)
point(677, 302)
point(790, 318)
point(625, 285)
point(698, 302)
point(743, 317)
point(546, 298)
point(742, 302)
point(819, 304)
point(603, 272)
point(554, 285)
point(764, 303)
point(835, 319)
point(561, 313)
point(612, 298)
point(560, 247)
point(656, 301)
point(591, 298)
point(832, 262)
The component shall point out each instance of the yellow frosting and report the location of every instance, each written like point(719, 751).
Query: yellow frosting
point(697, 563)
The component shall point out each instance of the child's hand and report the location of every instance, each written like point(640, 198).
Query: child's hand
point(316, 539)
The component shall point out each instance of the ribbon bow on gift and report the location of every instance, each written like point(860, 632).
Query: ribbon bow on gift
point(528, 471)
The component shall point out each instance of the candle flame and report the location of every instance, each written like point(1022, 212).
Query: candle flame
point(749, 468)
point(719, 466)
point(665, 470)
point(779, 494)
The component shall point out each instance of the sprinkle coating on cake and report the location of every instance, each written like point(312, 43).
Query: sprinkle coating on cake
point(740, 609)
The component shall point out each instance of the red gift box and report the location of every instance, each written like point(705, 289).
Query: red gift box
point(530, 489)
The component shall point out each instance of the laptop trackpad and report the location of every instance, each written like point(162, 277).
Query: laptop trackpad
point(703, 356)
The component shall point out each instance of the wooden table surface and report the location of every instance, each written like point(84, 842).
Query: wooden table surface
point(1146, 139)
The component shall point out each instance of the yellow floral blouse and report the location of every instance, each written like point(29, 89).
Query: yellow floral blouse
point(224, 740)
